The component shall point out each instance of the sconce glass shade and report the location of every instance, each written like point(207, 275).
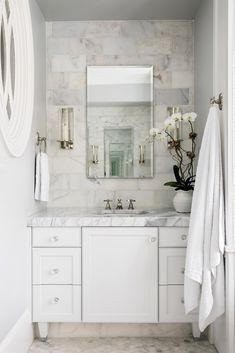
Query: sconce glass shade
point(66, 123)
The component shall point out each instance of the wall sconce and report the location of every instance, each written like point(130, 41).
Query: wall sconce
point(177, 133)
point(66, 121)
point(95, 154)
point(142, 152)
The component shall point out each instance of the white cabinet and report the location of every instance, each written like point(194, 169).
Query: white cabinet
point(120, 274)
point(108, 274)
point(56, 276)
point(172, 250)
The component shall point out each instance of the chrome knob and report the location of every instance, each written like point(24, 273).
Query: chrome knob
point(54, 239)
point(182, 271)
point(55, 300)
point(182, 300)
point(184, 237)
point(54, 271)
point(152, 239)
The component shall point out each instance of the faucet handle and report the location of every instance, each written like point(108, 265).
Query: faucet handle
point(108, 206)
point(131, 206)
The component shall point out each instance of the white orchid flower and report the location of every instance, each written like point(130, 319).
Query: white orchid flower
point(189, 117)
point(162, 136)
point(154, 131)
point(176, 117)
point(169, 123)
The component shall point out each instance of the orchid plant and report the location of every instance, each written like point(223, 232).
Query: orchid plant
point(184, 158)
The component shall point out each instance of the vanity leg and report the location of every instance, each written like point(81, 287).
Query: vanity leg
point(195, 330)
point(43, 331)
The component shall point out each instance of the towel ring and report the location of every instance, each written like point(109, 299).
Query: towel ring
point(41, 140)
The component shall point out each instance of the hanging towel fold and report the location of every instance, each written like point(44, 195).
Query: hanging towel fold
point(42, 177)
point(204, 271)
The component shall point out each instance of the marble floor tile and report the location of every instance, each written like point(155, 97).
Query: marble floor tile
point(122, 345)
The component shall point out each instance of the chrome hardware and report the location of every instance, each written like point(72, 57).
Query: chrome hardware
point(182, 300)
point(218, 101)
point(152, 239)
point(55, 300)
point(54, 239)
point(119, 205)
point(41, 140)
point(182, 271)
point(108, 206)
point(131, 206)
point(184, 237)
point(54, 271)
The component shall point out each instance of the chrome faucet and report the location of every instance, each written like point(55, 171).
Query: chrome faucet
point(119, 205)
point(131, 206)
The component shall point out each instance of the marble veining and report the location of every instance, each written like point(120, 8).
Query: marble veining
point(122, 345)
point(73, 217)
point(71, 47)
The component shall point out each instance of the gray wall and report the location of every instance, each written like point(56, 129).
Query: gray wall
point(17, 201)
point(203, 63)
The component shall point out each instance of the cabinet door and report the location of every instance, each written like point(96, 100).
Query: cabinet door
point(120, 274)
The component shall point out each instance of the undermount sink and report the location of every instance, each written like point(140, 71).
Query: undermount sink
point(124, 212)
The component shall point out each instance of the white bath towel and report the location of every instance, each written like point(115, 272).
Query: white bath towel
point(42, 177)
point(204, 271)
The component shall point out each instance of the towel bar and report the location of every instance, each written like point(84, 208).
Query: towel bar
point(218, 101)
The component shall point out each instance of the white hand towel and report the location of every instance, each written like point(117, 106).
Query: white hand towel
point(204, 271)
point(42, 177)
point(37, 190)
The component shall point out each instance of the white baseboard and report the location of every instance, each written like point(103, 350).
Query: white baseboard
point(21, 336)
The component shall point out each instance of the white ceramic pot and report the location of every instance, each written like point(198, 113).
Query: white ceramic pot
point(183, 201)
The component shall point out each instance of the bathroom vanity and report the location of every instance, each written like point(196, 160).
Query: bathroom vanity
point(89, 267)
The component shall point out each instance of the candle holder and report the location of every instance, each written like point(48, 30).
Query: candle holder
point(66, 123)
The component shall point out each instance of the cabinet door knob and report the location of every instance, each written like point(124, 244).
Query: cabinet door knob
point(54, 271)
point(182, 300)
point(184, 237)
point(55, 300)
point(182, 271)
point(152, 239)
point(54, 239)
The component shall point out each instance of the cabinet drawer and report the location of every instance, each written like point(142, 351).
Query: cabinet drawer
point(56, 237)
point(56, 266)
point(171, 265)
point(173, 237)
point(171, 305)
point(56, 303)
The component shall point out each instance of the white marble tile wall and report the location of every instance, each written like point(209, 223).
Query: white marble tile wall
point(71, 46)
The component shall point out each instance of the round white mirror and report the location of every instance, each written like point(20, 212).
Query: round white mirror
point(16, 74)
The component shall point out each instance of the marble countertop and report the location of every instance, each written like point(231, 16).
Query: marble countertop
point(73, 217)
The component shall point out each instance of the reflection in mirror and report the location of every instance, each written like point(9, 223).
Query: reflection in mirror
point(119, 117)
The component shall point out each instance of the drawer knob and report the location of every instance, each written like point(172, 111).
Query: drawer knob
point(55, 300)
point(54, 271)
point(54, 239)
point(152, 239)
point(184, 237)
point(182, 300)
point(182, 271)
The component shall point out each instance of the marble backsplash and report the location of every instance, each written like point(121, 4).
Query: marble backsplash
point(71, 46)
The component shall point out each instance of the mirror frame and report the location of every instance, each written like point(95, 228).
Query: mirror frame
point(151, 125)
